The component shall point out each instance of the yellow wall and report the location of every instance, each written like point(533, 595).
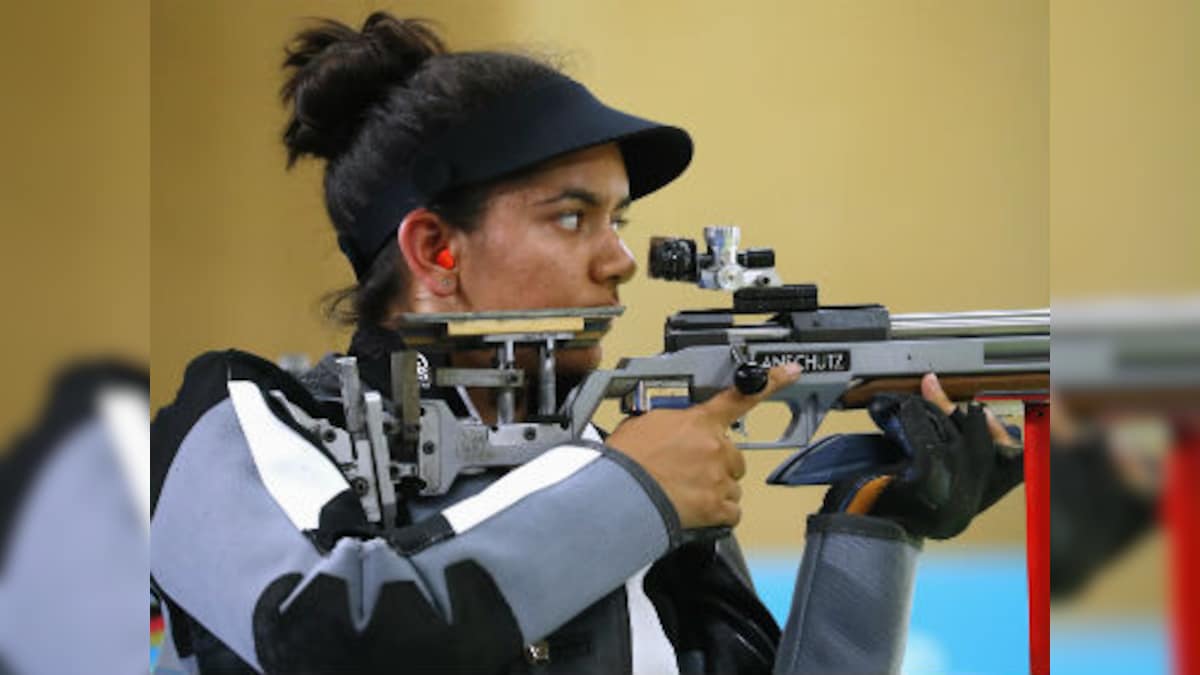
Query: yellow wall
point(74, 192)
point(893, 152)
point(1125, 147)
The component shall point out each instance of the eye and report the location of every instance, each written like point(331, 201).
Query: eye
point(619, 222)
point(570, 221)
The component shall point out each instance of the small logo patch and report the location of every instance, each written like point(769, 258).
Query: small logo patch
point(424, 375)
point(812, 362)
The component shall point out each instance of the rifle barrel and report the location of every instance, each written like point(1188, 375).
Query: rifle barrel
point(972, 324)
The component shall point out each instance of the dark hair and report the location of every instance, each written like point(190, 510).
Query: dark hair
point(365, 102)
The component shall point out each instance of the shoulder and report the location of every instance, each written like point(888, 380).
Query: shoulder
point(208, 381)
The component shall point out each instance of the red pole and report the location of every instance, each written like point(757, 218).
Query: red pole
point(1037, 532)
point(1181, 508)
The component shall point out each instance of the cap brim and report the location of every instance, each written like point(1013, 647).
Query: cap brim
point(525, 128)
point(654, 157)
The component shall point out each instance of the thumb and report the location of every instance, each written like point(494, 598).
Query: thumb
point(729, 405)
point(932, 391)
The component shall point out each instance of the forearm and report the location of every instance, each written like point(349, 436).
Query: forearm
point(853, 593)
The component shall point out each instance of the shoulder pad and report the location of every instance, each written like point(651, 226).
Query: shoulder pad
point(205, 384)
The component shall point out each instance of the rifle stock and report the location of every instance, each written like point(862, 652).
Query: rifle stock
point(957, 387)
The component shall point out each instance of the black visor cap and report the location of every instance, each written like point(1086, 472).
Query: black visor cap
point(554, 117)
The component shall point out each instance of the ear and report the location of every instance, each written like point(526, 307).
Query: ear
point(421, 236)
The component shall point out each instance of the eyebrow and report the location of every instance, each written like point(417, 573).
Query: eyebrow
point(586, 196)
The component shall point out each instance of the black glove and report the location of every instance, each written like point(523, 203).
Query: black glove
point(951, 470)
point(1097, 514)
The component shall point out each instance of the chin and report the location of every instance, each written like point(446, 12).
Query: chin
point(573, 365)
point(579, 361)
point(570, 365)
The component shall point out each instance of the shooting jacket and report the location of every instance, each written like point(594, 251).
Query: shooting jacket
point(572, 563)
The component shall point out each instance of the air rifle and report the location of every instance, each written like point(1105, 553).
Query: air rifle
point(410, 444)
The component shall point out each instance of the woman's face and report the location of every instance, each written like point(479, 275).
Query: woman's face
point(550, 240)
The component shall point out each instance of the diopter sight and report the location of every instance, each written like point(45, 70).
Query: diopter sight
point(722, 266)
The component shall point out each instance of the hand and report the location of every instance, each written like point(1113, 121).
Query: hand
point(690, 454)
point(957, 465)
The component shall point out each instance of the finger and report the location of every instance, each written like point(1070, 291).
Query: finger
point(729, 405)
point(999, 434)
point(932, 390)
point(735, 461)
point(973, 424)
point(731, 513)
point(734, 493)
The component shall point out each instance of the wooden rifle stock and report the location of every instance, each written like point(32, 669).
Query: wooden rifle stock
point(957, 387)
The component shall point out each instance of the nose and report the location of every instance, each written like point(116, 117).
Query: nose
point(613, 263)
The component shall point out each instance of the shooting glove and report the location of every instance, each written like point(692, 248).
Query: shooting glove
point(951, 469)
point(1097, 512)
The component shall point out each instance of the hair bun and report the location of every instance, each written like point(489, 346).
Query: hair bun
point(338, 74)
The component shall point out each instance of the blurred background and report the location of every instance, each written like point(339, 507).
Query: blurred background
point(74, 268)
point(930, 155)
point(74, 191)
point(1124, 165)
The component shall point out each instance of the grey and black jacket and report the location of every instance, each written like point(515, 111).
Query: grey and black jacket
point(571, 563)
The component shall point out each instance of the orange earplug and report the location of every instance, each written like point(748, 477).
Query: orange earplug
point(445, 259)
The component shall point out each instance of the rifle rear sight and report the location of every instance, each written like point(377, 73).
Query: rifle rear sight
point(749, 274)
point(721, 266)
